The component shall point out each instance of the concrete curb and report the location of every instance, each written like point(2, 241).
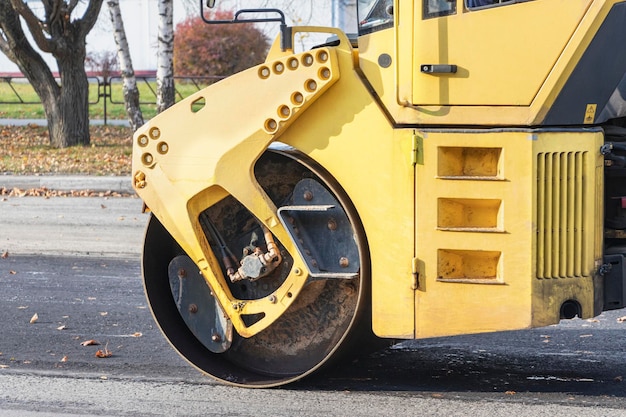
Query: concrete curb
point(68, 183)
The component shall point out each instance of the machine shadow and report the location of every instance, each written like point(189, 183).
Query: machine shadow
point(533, 361)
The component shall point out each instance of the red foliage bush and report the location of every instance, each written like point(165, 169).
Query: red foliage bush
point(201, 49)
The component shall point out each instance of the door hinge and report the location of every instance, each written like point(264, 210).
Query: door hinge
point(417, 157)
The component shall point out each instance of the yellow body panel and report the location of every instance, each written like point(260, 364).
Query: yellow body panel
point(348, 134)
point(482, 257)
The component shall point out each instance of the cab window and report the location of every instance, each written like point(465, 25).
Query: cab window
point(437, 8)
point(479, 4)
point(374, 15)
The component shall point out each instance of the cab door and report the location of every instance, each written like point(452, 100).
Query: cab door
point(477, 52)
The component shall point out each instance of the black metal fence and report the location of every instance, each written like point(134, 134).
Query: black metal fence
point(107, 89)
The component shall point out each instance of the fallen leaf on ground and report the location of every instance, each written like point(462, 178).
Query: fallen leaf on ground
point(510, 393)
point(34, 318)
point(12, 272)
point(137, 334)
point(104, 353)
point(5, 254)
point(64, 358)
point(90, 342)
point(618, 378)
point(621, 319)
point(4, 366)
point(63, 327)
point(103, 313)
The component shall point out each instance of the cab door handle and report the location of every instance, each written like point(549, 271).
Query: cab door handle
point(438, 69)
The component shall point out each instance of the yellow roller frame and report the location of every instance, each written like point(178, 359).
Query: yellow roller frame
point(204, 148)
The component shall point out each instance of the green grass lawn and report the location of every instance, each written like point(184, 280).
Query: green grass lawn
point(18, 99)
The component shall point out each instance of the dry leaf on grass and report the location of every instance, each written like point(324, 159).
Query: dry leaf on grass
point(90, 342)
point(28, 151)
point(34, 318)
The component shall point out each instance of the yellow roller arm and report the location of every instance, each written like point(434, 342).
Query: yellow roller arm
point(204, 148)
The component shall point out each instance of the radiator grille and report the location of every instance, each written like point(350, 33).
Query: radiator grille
point(561, 189)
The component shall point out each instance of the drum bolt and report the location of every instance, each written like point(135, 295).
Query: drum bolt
point(297, 271)
point(182, 273)
point(272, 299)
point(332, 224)
point(308, 196)
point(344, 262)
point(193, 309)
point(216, 337)
point(314, 263)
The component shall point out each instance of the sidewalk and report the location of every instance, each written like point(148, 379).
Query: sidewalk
point(68, 183)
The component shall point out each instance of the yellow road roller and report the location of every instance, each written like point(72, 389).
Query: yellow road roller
point(457, 167)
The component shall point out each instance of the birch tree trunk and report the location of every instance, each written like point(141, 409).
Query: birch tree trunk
point(165, 58)
point(131, 92)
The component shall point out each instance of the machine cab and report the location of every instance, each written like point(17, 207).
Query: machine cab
point(433, 53)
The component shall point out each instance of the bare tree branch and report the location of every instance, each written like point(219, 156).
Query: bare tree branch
point(90, 17)
point(34, 25)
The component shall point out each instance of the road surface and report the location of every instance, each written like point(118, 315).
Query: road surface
point(91, 290)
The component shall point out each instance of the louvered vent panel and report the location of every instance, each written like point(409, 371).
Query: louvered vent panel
point(561, 243)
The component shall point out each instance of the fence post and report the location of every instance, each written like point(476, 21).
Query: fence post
point(106, 93)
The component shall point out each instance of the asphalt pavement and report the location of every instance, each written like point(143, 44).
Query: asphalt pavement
point(75, 262)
